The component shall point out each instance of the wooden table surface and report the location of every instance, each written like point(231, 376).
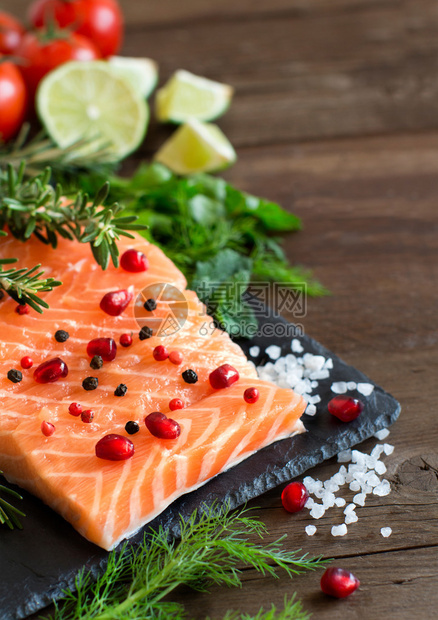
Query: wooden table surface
point(336, 117)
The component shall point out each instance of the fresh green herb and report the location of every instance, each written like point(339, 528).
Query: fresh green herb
point(293, 610)
point(213, 548)
point(9, 514)
point(41, 152)
point(202, 222)
point(31, 206)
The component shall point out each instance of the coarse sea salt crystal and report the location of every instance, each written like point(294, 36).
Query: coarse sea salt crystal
point(384, 488)
point(339, 530)
point(380, 468)
point(315, 399)
point(340, 501)
point(381, 435)
point(274, 351)
point(296, 346)
point(365, 388)
point(354, 486)
point(351, 517)
point(344, 456)
point(328, 363)
point(310, 409)
point(313, 362)
point(328, 499)
point(310, 530)
point(377, 451)
point(317, 511)
point(386, 531)
point(318, 375)
point(254, 351)
point(351, 385)
point(309, 503)
point(387, 449)
point(359, 499)
point(339, 387)
point(372, 479)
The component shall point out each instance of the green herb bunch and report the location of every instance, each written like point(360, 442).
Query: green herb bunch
point(9, 514)
point(221, 238)
point(214, 547)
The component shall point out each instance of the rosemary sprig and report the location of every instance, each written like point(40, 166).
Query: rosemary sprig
point(9, 514)
point(31, 206)
point(213, 548)
point(41, 152)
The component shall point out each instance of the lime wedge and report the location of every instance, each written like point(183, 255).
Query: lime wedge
point(89, 101)
point(141, 72)
point(188, 96)
point(196, 147)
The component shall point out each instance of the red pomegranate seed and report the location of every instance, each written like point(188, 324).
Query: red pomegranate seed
point(294, 497)
point(105, 347)
point(125, 340)
point(47, 428)
point(161, 426)
point(116, 302)
point(345, 408)
point(26, 362)
point(114, 448)
point(339, 582)
point(223, 377)
point(51, 371)
point(160, 353)
point(176, 403)
point(251, 395)
point(75, 409)
point(134, 261)
point(176, 357)
point(87, 416)
point(22, 309)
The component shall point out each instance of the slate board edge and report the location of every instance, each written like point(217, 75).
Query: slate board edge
point(260, 484)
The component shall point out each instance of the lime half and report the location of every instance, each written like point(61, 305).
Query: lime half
point(141, 72)
point(89, 101)
point(188, 96)
point(196, 147)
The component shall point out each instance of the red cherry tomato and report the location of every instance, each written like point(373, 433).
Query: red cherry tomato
point(99, 20)
point(42, 52)
point(11, 33)
point(13, 100)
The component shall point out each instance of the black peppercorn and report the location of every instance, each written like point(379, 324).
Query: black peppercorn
point(145, 333)
point(90, 383)
point(96, 362)
point(150, 305)
point(131, 427)
point(120, 390)
point(15, 375)
point(61, 335)
point(190, 376)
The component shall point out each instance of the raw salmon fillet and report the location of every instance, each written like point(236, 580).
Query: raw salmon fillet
point(107, 501)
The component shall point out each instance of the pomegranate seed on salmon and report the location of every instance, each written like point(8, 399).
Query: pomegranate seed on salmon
point(51, 371)
point(160, 353)
point(345, 408)
point(47, 428)
point(75, 409)
point(223, 377)
point(176, 403)
point(106, 348)
point(339, 582)
point(114, 448)
point(26, 362)
point(161, 426)
point(134, 261)
point(176, 357)
point(138, 488)
point(22, 309)
point(116, 302)
point(125, 340)
point(251, 395)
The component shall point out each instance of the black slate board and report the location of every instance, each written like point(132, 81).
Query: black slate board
point(37, 563)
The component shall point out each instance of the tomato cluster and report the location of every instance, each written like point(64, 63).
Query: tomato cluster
point(61, 30)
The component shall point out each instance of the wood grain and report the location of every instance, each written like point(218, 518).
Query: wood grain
point(336, 117)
